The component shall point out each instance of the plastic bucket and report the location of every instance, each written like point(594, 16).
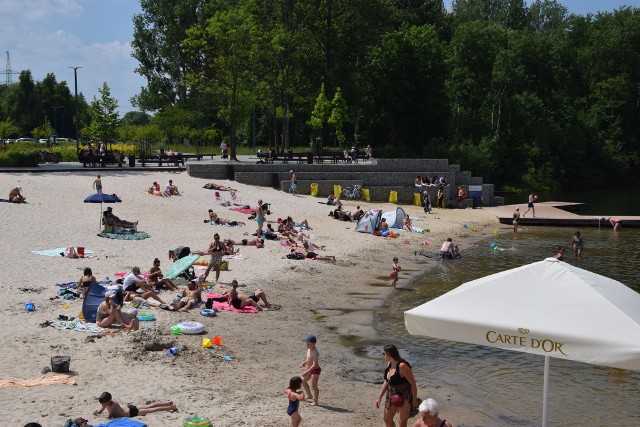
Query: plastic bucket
point(337, 190)
point(417, 199)
point(393, 197)
point(217, 340)
point(365, 195)
point(314, 189)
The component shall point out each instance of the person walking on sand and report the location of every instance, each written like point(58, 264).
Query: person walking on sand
point(294, 182)
point(395, 272)
point(97, 184)
point(295, 396)
point(516, 220)
point(313, 369)
point(577, 244)
point(399, 388)
point(260, 218)
point(532, 198)
point(116, 411)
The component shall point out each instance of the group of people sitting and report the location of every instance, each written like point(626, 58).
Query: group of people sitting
point(342, 215)
point(449, 250)
point(169, 190)
point(433, 181)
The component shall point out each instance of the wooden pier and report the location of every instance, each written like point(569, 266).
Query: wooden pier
point(555, 214)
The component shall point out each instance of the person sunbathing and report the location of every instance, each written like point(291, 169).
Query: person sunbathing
point(190, 296)
point(406, 224)
point(109, 312)
point(15, 196)
point(311, 254)
point(130, 296)
point(114, 221)
point(214, 186)
point(156, 278)
point(215, 219)
point(116, 411)
point(259, 243)
point(155, 189)
point(240, 301)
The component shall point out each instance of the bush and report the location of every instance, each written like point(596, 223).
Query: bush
point(18, 158)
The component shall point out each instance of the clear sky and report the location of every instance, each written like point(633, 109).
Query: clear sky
point(47, 36)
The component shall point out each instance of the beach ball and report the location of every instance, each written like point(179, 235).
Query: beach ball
point(494, 245)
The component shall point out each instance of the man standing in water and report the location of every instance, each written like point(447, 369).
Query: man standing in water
point(532, 198)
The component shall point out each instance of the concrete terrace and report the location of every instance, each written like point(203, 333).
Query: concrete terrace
point(380, 176)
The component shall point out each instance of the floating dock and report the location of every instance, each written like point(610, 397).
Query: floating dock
point(556, 214)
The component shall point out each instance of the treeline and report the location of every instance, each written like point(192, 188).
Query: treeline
point(518, 94)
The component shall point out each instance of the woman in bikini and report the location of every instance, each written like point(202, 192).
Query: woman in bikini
point(217, 250)
point(156, 279)
point(109, 312)
point(240, 301)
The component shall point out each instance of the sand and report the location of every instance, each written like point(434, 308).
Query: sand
point(333, 301)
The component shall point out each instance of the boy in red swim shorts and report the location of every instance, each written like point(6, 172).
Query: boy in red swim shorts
point(313, 369)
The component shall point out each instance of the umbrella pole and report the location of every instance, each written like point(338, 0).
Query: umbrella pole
point(545, 390)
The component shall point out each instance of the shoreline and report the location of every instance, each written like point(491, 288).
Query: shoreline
point(337, 302)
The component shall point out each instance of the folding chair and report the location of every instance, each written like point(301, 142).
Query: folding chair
point(235, 197)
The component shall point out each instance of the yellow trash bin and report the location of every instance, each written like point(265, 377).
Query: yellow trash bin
point(337, 190)
point(314, 189)
point(365, 195)
point(393, 197)
point(417, 199)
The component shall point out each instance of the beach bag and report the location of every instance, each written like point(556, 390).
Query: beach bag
point(397, 400)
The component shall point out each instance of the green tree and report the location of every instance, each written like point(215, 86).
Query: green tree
point(321, 113)
point(7, 129)
point(339, 115)
point(136, 118)
point(43, 131)
point(229, 48)
point(104, 116)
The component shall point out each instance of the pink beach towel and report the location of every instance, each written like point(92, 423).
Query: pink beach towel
point(225, 305)
point(248, 211)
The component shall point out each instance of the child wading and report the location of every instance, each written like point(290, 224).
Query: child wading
point(395, 272)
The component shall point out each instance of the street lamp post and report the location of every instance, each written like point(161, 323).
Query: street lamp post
point(55, 121)
point(75, 78)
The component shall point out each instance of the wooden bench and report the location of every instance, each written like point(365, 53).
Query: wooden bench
point(173, 161)
point(299, 158)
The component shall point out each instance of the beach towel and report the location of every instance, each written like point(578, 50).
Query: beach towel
point(122, 422)
point(37, 382)
point(288, 244)
point(57, 251)
point(248, 211)
point(225, 305)
point(76, 325)
point(5, 201)
point(124, 236)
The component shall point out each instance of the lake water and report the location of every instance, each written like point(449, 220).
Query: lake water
point(506, 386)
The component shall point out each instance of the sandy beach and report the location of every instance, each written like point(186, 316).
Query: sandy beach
point(334, 301)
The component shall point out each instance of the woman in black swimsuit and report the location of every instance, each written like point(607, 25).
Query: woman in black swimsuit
point(398, 380)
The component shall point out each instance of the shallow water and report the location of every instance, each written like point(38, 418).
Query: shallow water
point(506, 385)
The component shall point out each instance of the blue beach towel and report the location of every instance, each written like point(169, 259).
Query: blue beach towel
point(122, 422)
point(56, 252)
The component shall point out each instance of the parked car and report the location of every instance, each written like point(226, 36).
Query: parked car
point(43, 141)
point(65, 140)
point(26, 140)
point(9, 141)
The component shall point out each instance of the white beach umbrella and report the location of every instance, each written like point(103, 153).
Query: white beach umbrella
point(549, 308)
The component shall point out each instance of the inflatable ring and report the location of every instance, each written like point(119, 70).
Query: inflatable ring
point(196, 421)
point(190, 328)
point(208, 312)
